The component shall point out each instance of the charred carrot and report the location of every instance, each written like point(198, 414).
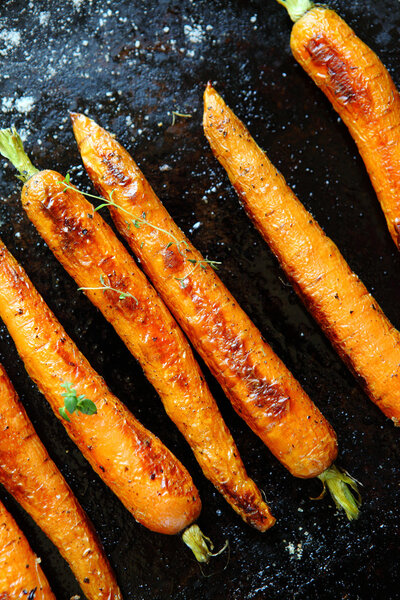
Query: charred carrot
point(91, 253)
point(148, 479)
point(262, 390)
point(29, 474)
point(361, 90)
point(339, 302)
point(20, 573)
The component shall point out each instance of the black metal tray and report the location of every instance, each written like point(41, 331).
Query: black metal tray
point(129, 64)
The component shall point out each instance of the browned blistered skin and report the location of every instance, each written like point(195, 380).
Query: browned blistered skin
point(362, 92)
point(152, 484)
point(88, 249)
point(336, 298)
point(260, 387)
point(20, 573)
point(29, 474)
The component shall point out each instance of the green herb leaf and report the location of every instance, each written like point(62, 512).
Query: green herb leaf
point(74, 403)
point(63, 413)
point(87, 407)
point(70, 402)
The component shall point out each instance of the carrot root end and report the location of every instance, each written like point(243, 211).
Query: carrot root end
point(200, 544)
point(11, 147)
point(296, 8)
point(340, 485)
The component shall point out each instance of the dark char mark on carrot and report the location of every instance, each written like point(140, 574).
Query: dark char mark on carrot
point(269, 397)
point(343, 85)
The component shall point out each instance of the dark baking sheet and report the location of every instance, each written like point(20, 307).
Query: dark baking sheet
point(128, 64)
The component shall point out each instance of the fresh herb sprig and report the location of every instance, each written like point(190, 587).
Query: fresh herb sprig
point(74, 403)
point(104, 287)
point(175, 114)
point(181, 245)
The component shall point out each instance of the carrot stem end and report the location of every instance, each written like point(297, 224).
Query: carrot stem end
point(11, 147)
point(200, 544)
point(296, 8)
point(340, 483)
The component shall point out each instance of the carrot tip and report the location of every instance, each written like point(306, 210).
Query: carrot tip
point(339, 483)
point(200, 544)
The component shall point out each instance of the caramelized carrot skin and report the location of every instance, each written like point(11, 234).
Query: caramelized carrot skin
point(337, 299)
point(260, 387)
point(20, 573)
point(152, 484)
point(29, 474)
point(89, 250)
point(362, 92)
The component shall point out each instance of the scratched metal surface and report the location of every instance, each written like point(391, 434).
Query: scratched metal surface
point(128, 64)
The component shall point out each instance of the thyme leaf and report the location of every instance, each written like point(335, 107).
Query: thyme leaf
point(74, 403)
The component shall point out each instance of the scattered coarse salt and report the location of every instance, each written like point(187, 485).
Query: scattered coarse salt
point(295, 551)
point(165, 168)
point(11, 39)
point(44, 17)
point(253, 19)
point(24, 104)
point(6, 104)
point(194, 33)
point(291, 548)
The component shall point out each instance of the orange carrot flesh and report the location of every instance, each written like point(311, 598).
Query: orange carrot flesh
point(20, 573)
point(362, 92)
point(334, 295)
point(152, 484)
point(29, 474)
point(90, 252)
point(260, 387)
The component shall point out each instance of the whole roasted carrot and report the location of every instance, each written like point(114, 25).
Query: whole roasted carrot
point(152, 484)
point(20, 573)
point(262, 390)
point(99, 263)
point(361, 91)
point(337, 299)
point(29, 474)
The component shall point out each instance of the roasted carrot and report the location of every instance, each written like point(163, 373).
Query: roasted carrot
point(337, 299)
point(361, 91)
point(20, 573)
point(92, 254)
point(262, 390)
point(29, 474)
point(152, 484)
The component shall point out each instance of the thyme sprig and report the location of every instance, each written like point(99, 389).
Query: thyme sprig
point(104, 286)
point(74, 403)
point(175, 114)
point(182, 246)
